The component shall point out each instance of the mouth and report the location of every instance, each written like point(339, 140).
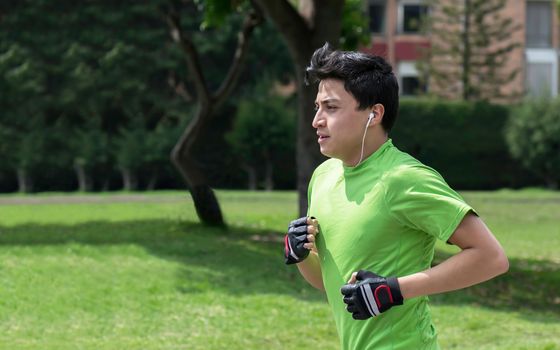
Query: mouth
point(322, 138)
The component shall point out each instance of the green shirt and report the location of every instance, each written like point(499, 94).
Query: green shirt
point(384, 216)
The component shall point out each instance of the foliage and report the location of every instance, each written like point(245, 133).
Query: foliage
point(355, 31)
point(78, 81)
point(533, 137)
point(461, 140)
point(144, 276)
point(470, 44)
point(25, 131)
point(87, 84)
point(264, 128)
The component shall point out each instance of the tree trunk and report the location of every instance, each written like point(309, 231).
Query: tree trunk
point(129, 179)
point(204, 199)
point(251, 177)
point(551, 182)
point(25, 184)
point(152, 182)
point(105, 186)
point(268, 179)
point(304, 31)
point(466, 61)
point(308, 154)
point(84, 181)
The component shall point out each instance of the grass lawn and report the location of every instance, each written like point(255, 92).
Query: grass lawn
point(109, 273)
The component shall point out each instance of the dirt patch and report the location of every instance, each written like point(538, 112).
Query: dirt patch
point(120, 198)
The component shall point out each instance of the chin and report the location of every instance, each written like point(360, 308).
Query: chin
point(325, 152)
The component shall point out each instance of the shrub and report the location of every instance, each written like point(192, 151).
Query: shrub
point(463, 141)
point(533, 137)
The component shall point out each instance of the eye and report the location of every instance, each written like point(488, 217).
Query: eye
point(331, 108)
point(316, 108)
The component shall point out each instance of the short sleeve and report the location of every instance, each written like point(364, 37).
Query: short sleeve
point(309, 189)
point(419, 198)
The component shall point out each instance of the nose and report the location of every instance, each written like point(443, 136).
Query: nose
point(318, 120)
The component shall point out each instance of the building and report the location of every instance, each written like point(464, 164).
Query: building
point(396, 35)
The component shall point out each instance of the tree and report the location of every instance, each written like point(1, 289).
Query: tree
point(91, 149)
point(87, 74)
point(532, 137)
point(305, 29)
point(22, 81)
point(263, 130)
point(159, 143)
point(470, 45)
point(208, 101)
point(130, 152)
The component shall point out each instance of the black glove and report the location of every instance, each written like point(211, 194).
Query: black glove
point(371, 295)
point(294, 251)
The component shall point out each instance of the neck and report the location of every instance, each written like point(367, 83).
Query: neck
point(371, 144)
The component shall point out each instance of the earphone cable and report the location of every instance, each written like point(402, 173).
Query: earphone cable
point(363, 142)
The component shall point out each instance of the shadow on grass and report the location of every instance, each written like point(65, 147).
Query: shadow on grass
point(250, 261)
point(529, 285)
point(238, 260)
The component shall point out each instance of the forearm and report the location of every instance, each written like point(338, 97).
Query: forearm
point(310, 269)
point(468, 267)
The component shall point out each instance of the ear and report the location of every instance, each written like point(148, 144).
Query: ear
point(379, 111)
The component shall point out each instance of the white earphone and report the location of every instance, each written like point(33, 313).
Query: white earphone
point(371, 116)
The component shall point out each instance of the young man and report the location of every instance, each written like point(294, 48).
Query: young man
point(375, 213)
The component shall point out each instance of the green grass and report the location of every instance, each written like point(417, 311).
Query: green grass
point(145, 275)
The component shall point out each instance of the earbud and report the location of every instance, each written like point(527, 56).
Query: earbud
point(370, 118)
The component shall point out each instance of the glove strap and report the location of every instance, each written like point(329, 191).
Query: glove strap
point(393, 284)
point(291, 257)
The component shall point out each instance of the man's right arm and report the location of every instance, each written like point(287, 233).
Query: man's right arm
point(299, 248)
point(310, 269)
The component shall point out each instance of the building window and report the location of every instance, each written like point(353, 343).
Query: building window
point(377, 17)
point(539, 24)
point(410, 84)
point(411, 15)
point(541, 74)
point(539, 79)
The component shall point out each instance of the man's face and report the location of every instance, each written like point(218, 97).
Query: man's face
point(340, 125)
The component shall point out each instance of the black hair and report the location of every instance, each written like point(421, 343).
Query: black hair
point(368, 78)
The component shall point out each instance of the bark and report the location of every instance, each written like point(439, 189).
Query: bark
point(105, 187)
point(317, 23)
point(465, 75)
point(251, 177)
point(268, 179)
point(551, 181)
point(205, 201)
point(84, 180)
point(129, 179)
point(152, 182)
point(25, 183)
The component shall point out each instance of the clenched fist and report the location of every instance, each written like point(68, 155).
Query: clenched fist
point(300, 239)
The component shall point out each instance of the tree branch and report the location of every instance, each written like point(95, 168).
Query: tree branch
point(325, 16)
point(193, 61)
point(179, 87)
point(252, 20)
point(288, 21)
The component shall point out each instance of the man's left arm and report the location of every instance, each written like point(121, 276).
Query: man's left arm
point(480, 259)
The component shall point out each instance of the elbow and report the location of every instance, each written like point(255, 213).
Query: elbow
point(318, 286)
point(501, 263)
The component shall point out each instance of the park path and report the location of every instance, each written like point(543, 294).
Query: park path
point(77, 199)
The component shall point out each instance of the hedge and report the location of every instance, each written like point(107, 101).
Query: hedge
point(463, 141)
